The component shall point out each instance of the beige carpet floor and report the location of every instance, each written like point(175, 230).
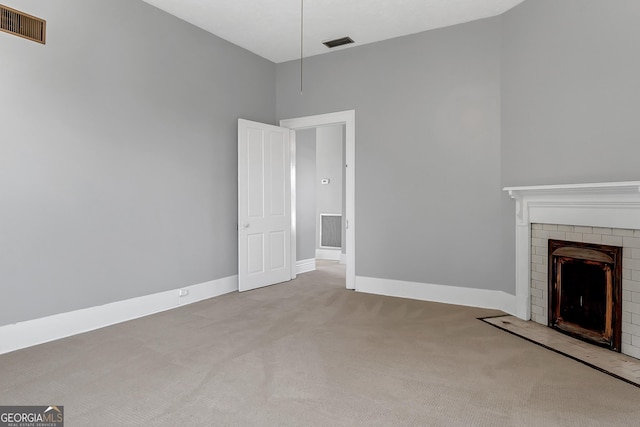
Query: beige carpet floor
point(310, 353)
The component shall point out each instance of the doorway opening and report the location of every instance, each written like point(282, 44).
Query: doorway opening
point(319, 180)
point(346, 118)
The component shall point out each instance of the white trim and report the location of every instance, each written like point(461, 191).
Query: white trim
point(329, 254)
point(343, 258)
point(37, 331)
point(294, 211)
point(591, 188)
point(305, 265)
point(607, 204)
point(472, 297)
point(349, 120)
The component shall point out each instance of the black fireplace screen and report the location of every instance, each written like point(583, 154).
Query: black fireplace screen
point(585, 291)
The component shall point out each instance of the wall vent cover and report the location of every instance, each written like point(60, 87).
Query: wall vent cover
point(20, 24)
point(338, 42)
point(331, 230)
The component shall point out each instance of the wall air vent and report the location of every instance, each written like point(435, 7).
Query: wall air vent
point(338, 42)
point(330, 230)
point(20, 24)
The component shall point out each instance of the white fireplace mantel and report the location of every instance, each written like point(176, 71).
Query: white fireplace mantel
point(608, 204)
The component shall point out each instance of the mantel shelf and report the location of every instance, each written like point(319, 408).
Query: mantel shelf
point(627, 187)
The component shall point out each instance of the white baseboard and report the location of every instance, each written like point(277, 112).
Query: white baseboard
point(482, 298)
point(343, 258)
point(32, 332)
point(305, 265)
point(329, 254)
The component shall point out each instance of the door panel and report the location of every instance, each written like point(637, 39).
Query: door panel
point(255, 173)
point(255, 248)
point(264, 210)
point(278, 175)
point(278, 250)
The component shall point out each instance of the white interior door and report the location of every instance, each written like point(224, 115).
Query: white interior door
point(264, 205)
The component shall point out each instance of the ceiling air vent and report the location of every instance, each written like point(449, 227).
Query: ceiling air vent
point(338, 42)
point(20, 24)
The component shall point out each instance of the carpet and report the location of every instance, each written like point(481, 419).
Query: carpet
point(310, 353)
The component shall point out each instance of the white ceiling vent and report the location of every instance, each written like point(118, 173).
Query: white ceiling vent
point(20, 24)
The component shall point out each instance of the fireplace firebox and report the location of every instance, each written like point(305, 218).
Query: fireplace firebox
point(585, 289)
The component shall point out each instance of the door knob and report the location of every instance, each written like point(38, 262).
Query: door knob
point(246, 225)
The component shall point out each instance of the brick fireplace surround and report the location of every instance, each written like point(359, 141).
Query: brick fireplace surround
point(603, 213)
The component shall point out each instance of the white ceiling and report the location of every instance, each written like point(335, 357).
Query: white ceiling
point(271, 28)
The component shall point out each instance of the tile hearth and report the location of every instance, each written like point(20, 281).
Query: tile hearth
point(612, 363)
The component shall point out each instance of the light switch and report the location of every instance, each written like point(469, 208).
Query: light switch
point(324, 181)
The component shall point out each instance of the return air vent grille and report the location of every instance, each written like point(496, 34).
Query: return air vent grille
point(20, 24)
point(330, 231)
point(338, 42)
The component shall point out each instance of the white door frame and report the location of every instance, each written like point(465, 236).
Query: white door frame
point(348, 118)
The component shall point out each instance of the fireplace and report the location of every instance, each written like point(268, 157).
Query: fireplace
point(605, 213)
point(585, 291)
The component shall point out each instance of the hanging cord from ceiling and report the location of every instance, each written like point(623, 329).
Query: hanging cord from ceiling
point(301, 39)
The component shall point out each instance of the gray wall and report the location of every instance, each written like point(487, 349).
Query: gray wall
point(118, 149)
point(548, 93)
point(305, 194)
point(571, 92)
point(428, 187)
point(329, 164)
point(570, 96)
point(118, 155)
